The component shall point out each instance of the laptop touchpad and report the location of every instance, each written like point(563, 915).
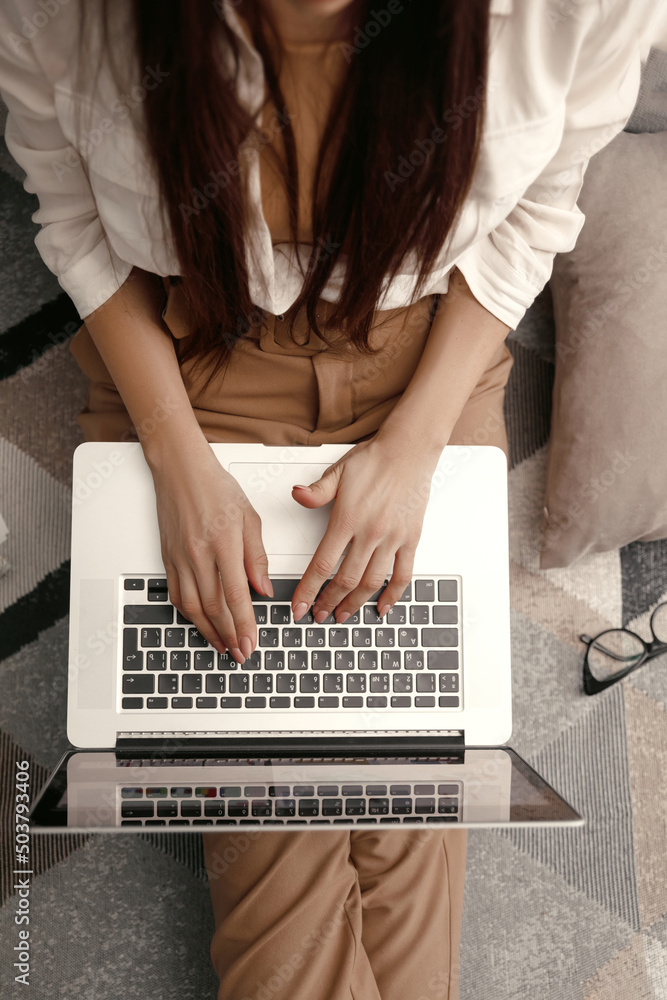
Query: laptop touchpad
point(287, 527)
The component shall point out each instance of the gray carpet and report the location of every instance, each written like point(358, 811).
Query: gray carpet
point(554, 915)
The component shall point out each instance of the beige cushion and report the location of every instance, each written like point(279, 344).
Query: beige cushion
point(607, 473)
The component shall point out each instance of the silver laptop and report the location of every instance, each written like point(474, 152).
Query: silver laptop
point(417, 690)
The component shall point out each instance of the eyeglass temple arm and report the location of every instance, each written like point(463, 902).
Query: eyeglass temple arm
point(598, 645)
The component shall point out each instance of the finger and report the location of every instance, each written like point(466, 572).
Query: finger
point(401, 576)
point(237, 597)
point(345, 582)
point(187, 599)
point(371, 580)
point(321, 566)
point(322, 491)
point(214, 605)
point(255, 559)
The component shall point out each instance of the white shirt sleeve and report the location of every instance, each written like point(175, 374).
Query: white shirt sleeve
point(508, 268)
point(72, 241)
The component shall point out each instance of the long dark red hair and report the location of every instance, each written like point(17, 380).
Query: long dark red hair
point(423, 62)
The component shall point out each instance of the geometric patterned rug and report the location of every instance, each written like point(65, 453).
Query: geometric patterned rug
point(554, 914)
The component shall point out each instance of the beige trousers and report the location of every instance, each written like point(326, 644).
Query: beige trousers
point(324, 915)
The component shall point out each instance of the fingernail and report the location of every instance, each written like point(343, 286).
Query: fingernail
point(320, 616)
point(341, 619)
point(238, 655)
point(383, 610)
point(267, 585)
point(300, 610)
point(306, 488)
point(221, 648)
point(246, 647)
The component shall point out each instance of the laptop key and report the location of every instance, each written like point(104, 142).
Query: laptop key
point(239, 684)
point(339, 637)
point(309, 807)
point(448, 701)
point(157, 703)
point(328, 701)
point(332, 807)
point(285, 807)
point(281, 614)
point(195, 638)
point(213, 809)
point(254, 661)
point(443, 659)
point(391, 661)
point(447, 590)
point(304, 703)
point(445, 614)
point(174, 637)
point(268, 636)
point(376, 701)
point(362, 636)
point(150, 636)
point(315, 636)
point(261, 614)
point(204, 661)
point(344, 660)
point(237, 807)
point(292, 637)
point(261, 807)
point(380, 683)
point(137, 810)
point(385, 637)
point(413, 659)
point(355, 807)
point(356, 683)
point(333, 684)
point(168, 809)
point(378, 807)
point(440, 637)
point(167, 684)
point(215, 683)
point(133, 584)
point(419, 614)
point(279, 702)
point(368, 659)
point(146, 614)
point(401, 701)
point(286, 684)
point(204, 702)
point(320, 659)
point(191, 809)
point(156, 660)
point(132, 703)
point(274, 659)
point(179, 659)
point(297, 659)
point(401, 806)
point(226, 702)
point(138, 684)
point(256, 701)
point(424, 806)
point(397, 615)
point(407, 636)
point(424, 590)
point(309, 683)
point(262, 684)
point(354, 701)
point(371, 617)
point(426, 683)
point(402, 683)
point(424, 701)
point(227, 662)
point(181, 703)
point(448, 683)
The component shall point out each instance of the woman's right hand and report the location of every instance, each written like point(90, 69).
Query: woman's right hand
point(211, 547)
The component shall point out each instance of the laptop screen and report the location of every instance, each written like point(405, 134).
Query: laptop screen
point(107, 792)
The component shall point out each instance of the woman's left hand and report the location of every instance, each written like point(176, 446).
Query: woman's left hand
point(381, 490)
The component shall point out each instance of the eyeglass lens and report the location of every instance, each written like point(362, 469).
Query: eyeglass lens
point(613, 652)
point(660, 623)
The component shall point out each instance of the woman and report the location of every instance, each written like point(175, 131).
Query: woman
point(359, 204)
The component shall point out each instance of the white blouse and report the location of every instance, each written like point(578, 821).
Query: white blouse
point(563, 79)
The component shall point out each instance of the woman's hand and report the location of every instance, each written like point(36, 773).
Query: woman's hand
point(380, 500)
point(211, 547)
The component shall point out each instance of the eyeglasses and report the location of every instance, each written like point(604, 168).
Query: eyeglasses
point(614, 654)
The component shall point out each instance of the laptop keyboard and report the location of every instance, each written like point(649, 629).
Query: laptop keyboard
point(410, 659)
point(294, 804)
